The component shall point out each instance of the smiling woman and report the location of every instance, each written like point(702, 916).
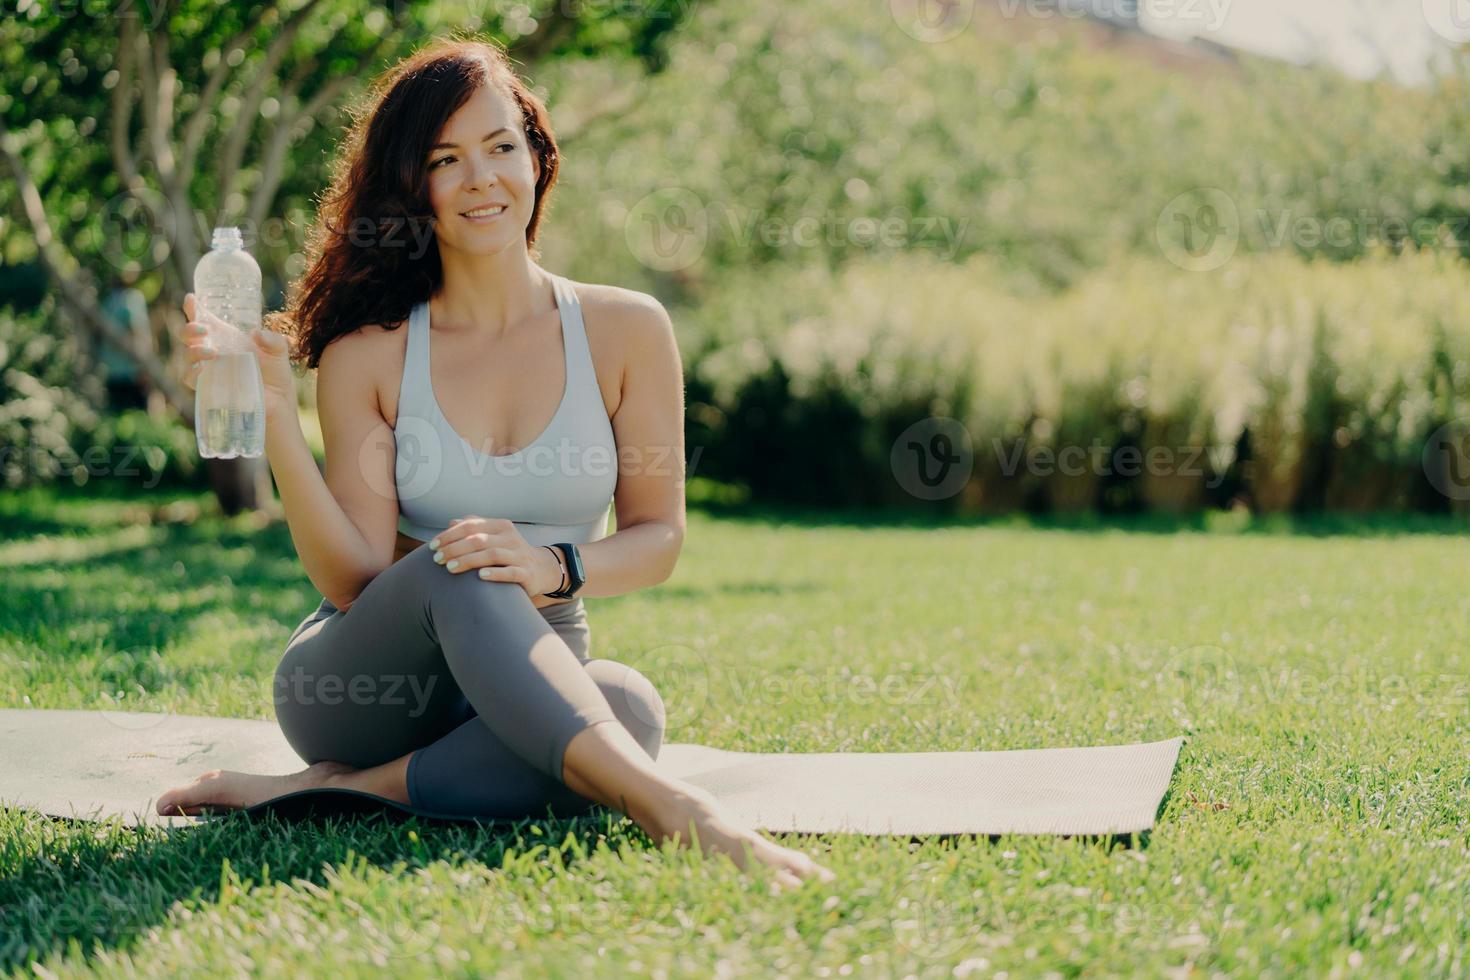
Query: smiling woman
point(474, 597)
point(447, 131)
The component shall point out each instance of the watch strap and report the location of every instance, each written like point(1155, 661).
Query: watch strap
point(572, 562)
point(561, 567)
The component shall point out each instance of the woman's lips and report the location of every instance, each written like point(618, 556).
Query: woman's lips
point(476, 215)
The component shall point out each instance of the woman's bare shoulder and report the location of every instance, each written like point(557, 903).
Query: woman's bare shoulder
point(616, 305)
point(623, 320)
point(371, 355)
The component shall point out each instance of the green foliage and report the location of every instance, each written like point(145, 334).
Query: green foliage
point(134, 448)
point(1331, 375)
point(777, 145)
point(51, 428)
point(1050, 156)
point(42, 405)
point(799, 382)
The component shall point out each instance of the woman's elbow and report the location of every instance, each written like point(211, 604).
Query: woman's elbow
point(672, 560)
point(345, 597)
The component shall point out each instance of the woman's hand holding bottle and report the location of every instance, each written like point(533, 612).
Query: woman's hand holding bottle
point(206, 337)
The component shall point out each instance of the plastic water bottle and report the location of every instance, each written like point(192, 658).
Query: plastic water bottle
point(229, 398)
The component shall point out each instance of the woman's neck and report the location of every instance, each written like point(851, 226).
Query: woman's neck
point(488, 294)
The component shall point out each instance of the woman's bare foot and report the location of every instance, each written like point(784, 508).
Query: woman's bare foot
point(699, 815)
point(224, 789)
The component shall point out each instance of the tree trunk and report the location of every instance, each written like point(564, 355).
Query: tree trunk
point(240, 484)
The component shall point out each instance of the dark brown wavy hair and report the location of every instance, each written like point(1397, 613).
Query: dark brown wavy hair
point(370, 254)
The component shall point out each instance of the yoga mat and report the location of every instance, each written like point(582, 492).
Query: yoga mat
point(99, 764)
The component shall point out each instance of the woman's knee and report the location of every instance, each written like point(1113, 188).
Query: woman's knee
point(634, 700)
point(417, 577)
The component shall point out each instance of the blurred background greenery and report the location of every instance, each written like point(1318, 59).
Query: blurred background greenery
point(1139, 273)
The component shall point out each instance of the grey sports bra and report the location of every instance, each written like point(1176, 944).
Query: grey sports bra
point(557, 488)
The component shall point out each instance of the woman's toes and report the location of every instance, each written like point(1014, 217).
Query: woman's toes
point(784, 881)
point(176, 801)
point(801, 866)
point(808, 867)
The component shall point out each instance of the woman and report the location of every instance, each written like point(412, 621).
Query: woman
point(454, 675)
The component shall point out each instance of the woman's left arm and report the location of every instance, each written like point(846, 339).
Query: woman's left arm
point(648, 427)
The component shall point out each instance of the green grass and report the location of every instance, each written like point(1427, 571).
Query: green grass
point(1318, 821)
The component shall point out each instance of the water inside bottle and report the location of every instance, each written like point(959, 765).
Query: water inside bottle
point(229, 415)
point(237, 433)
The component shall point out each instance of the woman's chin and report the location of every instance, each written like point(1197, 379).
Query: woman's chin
point(492, 243)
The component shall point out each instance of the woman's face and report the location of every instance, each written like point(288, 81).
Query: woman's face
point(482, 161)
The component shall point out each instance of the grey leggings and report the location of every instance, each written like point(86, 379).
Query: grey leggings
point(482, 687)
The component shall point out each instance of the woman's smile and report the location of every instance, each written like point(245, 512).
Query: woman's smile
point(484, 215)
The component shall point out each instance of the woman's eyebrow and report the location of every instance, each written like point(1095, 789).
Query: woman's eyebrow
point(455, 146)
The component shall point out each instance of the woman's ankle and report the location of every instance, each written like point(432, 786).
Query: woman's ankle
point(329, 775)
point(684, 807)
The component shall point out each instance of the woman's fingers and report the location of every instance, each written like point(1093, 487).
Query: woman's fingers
point(194, 313)
point(197, 349)
point(196, 353)
point(459, 547)
point(507, 573)
point(458, 557)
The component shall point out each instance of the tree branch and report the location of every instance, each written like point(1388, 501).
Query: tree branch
point(274, 160)
point(78, 292)
point(174, 183)
point(122, 107)
point(203, 114)
point(255, 92)
point(160, 125)
point(147, 84)
point(275, 155)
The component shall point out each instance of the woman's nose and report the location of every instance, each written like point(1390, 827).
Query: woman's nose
point(481, 172)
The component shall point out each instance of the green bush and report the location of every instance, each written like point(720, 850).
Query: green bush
point(799, 382)
point(1308, 383)
point(47, 395)
point(136, 449)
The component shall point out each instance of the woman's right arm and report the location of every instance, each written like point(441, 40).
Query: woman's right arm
point(343, 524)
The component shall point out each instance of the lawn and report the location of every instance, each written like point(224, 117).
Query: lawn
point(1319, 820)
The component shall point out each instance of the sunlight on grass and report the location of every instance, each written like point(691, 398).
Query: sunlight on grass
point(71, 549)
point(1319, 818)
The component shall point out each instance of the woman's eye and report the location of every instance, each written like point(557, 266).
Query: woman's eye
point(506, 146)
point(441, 160)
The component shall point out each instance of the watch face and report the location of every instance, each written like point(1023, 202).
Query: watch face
point(574, 568)
point(575, 576)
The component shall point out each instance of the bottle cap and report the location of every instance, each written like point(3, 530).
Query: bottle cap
point(228, 238)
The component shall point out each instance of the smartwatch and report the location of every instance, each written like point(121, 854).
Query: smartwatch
point(575, 575)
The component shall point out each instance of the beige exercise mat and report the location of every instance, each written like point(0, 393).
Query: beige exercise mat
point(99, 764)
